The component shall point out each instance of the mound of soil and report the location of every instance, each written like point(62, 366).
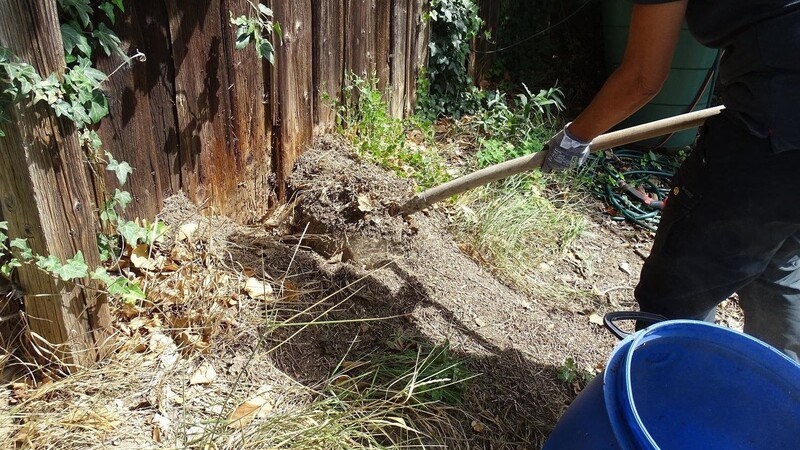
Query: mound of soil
point(411, 269)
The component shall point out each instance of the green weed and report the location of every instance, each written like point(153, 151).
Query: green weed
point(363, 117)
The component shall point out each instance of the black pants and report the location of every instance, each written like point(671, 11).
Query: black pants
point(731, 224)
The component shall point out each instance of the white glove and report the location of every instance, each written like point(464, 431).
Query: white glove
point(565, 151)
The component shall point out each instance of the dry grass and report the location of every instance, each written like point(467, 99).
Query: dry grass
point(515, 228)
point(194, 369)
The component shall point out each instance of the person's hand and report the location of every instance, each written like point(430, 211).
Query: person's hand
point(565, 151)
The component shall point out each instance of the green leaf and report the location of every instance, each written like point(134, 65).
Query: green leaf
point(101, 274)
point(108, 8)
point(129, 291)
point(62, 108)
point(264, 10)
point(79, 8)
point(50, 264)
point(74, 268)
point(73, 38)
point(21, 244)
point(108, 40)
point(122, 198)
point(119, 4)
point(155, 231)
point(121, 169)
point(242, 40)
point(131, 232)
point(277, 27)
point(8, 267)
point(97, 77)
point(265, 50)
point(98, 108)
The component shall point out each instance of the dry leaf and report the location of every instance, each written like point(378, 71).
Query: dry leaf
point(248, 410)
point(291, 291)
point(140, 258)
point(478, 426)
point(193, 341)
point(625, 268)
point(364, 203)
point(596, 319)
point(180, 253)
point(258, 289)
point(205, 374)
point(187, 231)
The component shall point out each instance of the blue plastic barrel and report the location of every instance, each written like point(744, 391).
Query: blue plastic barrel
point(687, 385)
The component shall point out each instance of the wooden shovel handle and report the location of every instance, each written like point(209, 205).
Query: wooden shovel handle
point(535, 160)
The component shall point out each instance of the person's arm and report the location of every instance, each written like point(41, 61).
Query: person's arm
point(654, 32)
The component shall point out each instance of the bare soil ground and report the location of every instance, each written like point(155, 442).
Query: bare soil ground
point(352, 278)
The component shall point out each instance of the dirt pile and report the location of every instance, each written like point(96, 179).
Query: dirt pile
point(411, 267)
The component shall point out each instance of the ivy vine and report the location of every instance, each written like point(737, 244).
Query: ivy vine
point(448, 89)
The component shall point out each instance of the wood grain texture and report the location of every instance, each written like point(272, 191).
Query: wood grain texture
point(293, 89)
point(137, 130)
point(328, 61)
point(250, 130)
point(201, 82)
point(399, 45)
point(46, 195)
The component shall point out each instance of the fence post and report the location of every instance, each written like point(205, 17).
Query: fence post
point(46, 197)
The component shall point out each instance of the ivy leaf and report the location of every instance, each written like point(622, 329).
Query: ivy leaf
point(21, 244)
point(7, 268)
point(3, 231)
point(98, 108)
point(118, 4)
point(80, 8)
point(79, 115)
point(73, 37)
point(108, 8)
point(74, 268)
point(131, 232)
point(121, 169)
point(108, 40)
point(102, 275)
point(266, 50)
point(50, 264)
point(130, 292)
point(96, 77)
point(62, 109)
point(242, 40)
point(122, 198)
point(264, 10)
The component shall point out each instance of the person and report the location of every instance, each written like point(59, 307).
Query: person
point(732, 220)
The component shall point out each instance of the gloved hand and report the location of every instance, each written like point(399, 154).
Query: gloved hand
point(565, 151)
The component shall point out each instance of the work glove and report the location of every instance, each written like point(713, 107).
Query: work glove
point(565, 151)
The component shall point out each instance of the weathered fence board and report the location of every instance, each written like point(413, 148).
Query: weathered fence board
point(141, 125)
point(293, 119)
point(46, 196)
point(250, 123)
point(328, 61)
point(202, 101)
point(399, 44)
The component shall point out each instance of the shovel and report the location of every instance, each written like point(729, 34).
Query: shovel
point(535, 160)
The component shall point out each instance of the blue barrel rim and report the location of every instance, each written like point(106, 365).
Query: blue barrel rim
point(633, 435)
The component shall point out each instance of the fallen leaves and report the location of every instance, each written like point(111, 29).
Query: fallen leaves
point(258, 289)
point(203, 375)
point(248, 410)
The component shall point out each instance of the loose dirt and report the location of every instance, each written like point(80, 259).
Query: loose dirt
point(350, 278)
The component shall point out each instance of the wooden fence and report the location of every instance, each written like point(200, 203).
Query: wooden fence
point(197, 116)
point(226, 127)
